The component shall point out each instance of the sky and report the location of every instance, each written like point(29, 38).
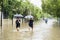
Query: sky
point(36, 3)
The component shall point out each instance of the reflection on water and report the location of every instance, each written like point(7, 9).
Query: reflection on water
point(17, 36)
point(41, 31)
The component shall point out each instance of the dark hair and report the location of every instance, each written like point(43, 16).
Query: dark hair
point(19, 20)
point(17, 17)
point(31, 18)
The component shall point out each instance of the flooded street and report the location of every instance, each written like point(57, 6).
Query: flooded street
point(41, 31)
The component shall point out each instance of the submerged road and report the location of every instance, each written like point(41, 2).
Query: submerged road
point(41, 31)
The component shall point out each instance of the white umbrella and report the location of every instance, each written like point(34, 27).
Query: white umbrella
point(18, 15)
point(29, 16)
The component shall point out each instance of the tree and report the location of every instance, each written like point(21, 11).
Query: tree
point(12, 7)
point(52, 7)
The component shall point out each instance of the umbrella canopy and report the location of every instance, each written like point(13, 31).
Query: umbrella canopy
point(18, 15)
point(29, 16)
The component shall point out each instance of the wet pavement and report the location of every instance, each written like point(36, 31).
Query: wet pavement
point(41, 31)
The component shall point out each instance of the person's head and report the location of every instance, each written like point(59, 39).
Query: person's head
point(17, 17)
point(31, 18)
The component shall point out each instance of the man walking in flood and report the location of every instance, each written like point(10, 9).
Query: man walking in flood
point(46, 20)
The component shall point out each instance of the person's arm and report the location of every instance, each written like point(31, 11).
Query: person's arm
point(33, 20)
point(16, 21)
point(19, 21)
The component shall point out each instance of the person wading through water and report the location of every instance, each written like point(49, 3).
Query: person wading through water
point(31, 23)
point(17, 24)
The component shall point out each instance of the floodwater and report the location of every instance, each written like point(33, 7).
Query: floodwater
point(41, 31)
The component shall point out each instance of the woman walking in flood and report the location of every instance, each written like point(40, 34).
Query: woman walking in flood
point(17, 24)
point(31, 23)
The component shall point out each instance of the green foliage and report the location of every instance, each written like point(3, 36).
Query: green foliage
point(12, 7)
point(52, 7)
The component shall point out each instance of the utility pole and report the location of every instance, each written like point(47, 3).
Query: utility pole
point(1, 11)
